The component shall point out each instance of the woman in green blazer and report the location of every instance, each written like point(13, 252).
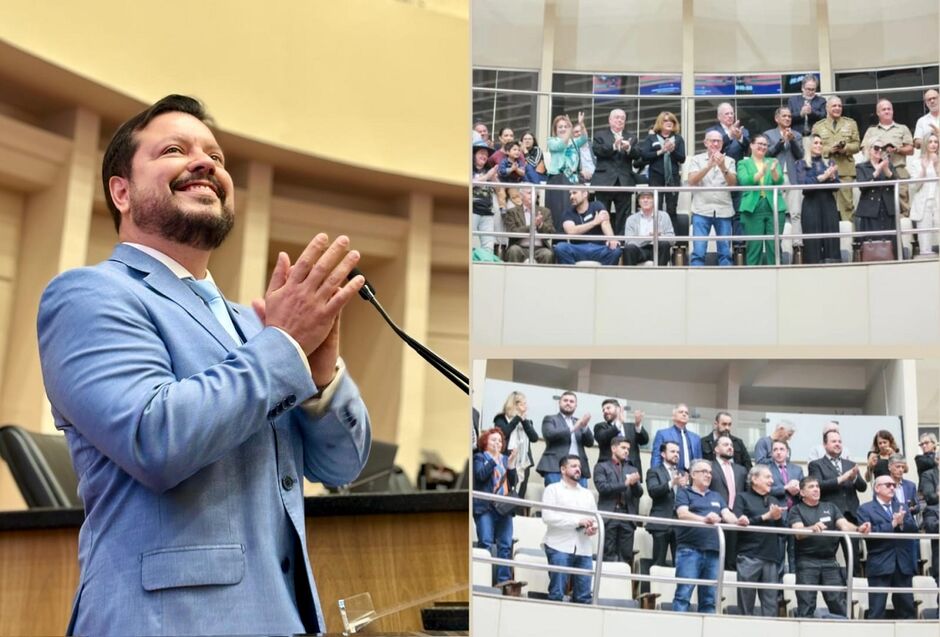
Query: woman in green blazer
point(757, 209)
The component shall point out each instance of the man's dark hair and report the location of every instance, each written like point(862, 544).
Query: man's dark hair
point(610, 401)
point(119, 154)
point(826, 435)
point(566, 459)
point(720, 436)
point(568, 393)
point(616, 440)
point(662, 447)
point(807, 479)
point(720, 414)
point(780, 442)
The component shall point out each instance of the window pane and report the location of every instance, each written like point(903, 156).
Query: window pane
point(793, 83)
point(714, 85)
point(864, 81)
point(757, 115)
point(484, 78)
point(483, 105)
point(861, 108)
point(572, 83)
point(706, 116)
point(758, 85)
point(517, 80)
point(515, 111)
point(897, 78)
point(930, 75)
point(908, 107)
point(660, 85)
point(571, 106)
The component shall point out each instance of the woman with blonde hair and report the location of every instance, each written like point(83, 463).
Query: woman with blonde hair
point(564, 162)
point(925, 204)
point(820, 213)
point(520, 434)
point(664, 151)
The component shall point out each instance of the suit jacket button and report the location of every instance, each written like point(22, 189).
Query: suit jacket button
point(287, 482)
point(290, 400)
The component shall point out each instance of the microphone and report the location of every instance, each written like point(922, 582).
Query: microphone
point(458, 378)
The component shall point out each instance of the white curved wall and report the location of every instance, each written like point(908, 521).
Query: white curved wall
point(885, 310)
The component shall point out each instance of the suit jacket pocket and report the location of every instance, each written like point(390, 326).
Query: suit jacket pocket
point(204, 565)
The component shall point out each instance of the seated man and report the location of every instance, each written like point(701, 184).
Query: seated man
point(638, 251)
point(520, 219)
point(712, 208)
point(568, 536)
point(587, 218)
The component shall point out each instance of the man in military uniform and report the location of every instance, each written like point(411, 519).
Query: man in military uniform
point(897, 136)
point(840, 141)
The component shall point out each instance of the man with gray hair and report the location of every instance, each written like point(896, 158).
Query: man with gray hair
point(697, 548)
point(840, 141)
point(819, 451)
point(615, 150)
point(736, 144)
point(763, 450)
point(712, 208)
point(758, 553)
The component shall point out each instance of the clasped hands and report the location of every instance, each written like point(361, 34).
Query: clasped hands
point(305, 300)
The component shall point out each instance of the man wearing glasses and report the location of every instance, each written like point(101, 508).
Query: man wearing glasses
point(890, 562)
point(697, 548)
point(929, 123)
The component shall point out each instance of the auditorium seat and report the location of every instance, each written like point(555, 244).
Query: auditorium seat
point(615, 587)
point(925, 601)
point(537, 579)
point(41, 467)
point(528, 532)
point(482, 571)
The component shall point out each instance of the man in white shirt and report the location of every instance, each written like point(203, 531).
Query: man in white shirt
point(929, 123)
point(641, 224)
point(712, 208)
point(568, 535)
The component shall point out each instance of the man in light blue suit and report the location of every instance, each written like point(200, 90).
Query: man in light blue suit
point(192, 421)
point(690, 444)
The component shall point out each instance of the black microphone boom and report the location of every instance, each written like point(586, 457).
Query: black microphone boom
point(450, 372)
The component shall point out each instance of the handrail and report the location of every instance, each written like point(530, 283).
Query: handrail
point(776, 237)
point(720, 528)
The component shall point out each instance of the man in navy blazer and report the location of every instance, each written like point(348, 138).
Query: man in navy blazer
point(192, 423)
point(786, 488)
point(890, 562)
point(689, 442)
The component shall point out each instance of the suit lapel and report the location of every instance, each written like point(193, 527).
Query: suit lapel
point(162, 281)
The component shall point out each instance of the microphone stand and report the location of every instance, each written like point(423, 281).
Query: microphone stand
point(450, 372)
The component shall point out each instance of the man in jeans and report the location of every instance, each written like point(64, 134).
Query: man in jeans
point(697, 552)
point(568, 536)
point(712, 208)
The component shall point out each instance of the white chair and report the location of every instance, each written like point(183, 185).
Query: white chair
point(859, 599)
point(924, 601)
point(537, 579)
point(664, 592)
point(528, 532)
point(642, 545)
point(482, 571)
point(729, 590)
point(615, 588)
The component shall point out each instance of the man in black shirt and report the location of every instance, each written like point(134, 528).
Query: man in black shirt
point(614, 425)
point(815, 554)
point(759, 553)
point(619, 490)
point(722, 427)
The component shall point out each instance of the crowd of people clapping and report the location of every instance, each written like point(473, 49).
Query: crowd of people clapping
point(812, 143)
point(709, 479)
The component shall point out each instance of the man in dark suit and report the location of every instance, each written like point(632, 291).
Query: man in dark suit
point(560, 431)
point(807, 108)
point(728, 480)
point(890, 562)
point(690, 445)
point(661, 484)
point(839, 483)
point(723, 424)
point(786, 488)
point(928, 487)
point(613, 426)
point(619, 490)
point(614, 153)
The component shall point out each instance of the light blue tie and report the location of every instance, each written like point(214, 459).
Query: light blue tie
point(209, 293)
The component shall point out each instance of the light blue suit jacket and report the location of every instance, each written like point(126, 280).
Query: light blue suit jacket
point(190, 453)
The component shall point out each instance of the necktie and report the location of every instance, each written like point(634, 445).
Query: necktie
point(786, 479)
point(207, 291)
point(729, 480)
point(887, 508)
point(672, 476)
point(685, 460)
